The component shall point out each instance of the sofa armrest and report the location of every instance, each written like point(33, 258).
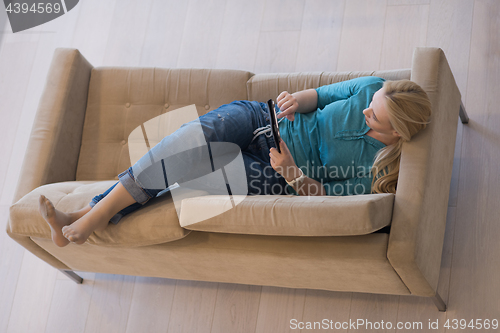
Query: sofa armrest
point(421, 201)
point(55, 140)
point(54, 145)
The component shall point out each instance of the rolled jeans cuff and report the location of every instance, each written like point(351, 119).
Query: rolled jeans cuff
point(128, 181)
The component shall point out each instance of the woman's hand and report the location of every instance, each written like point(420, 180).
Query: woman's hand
point(283, 163)
point(288, 105)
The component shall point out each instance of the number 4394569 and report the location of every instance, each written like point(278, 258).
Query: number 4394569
point(37, 8)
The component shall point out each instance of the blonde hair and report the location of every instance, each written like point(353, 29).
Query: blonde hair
point(409, 110)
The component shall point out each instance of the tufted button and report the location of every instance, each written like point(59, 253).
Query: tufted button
point(166, 105)
point(127, 105)
point(123, 142)
point(207, 107)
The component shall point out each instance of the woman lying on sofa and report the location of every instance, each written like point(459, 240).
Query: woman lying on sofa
point(346, 137)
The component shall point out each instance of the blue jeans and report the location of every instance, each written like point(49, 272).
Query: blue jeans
point(242, 123)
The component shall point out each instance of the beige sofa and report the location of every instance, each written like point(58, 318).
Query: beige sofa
point(387, 244)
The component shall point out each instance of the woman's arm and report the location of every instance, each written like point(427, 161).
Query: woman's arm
point(284, 164)
point(344, 89)
point(308, 186)
point(307, 100)
point(304, 101)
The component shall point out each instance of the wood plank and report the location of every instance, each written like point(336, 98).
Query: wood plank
point(92, 29)
point(405, 28)
point(320, 36)
point(278, 306)
point(239, 38)
point(450, 28)
point(126, 34)
point(474, 288)
point(419, 312)
point(202, 30)
point(11, 258)
point(236, 308)
point(70, 304)
point(193, 307)
point(163, 36)
point(330, 305)
point(33, 295)
point(151, 305)
point(279, 37)
point(110, 303)
point(362, 35)
point(283, 15)
point(274, 57)
point(4, 21)
point(407, 2)
point(17, 56)
point(373, 308)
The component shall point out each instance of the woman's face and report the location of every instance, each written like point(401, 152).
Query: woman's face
point(376, 114)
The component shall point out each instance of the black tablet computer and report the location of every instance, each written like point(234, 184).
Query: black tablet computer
point(274, 124)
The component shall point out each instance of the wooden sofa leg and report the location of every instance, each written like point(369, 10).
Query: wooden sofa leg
point(72, 275)
point(463, 114)
point(439, 302)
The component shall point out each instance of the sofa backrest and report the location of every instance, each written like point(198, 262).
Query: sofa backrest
point(121, 99)
point(262, 87)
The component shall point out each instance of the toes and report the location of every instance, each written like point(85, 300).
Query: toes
point(49, 203)
point(72, 235)
point(41, 207)
point(46, 207)
point(69, 233)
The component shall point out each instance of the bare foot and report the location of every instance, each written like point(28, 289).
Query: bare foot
point(81, 229)
point(56, 220)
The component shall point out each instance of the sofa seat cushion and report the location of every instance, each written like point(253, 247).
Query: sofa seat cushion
point(154, 223)
point(288, 215)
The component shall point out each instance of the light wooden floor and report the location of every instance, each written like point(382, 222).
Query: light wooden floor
point(260, 36)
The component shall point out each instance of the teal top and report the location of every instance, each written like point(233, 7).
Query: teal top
point(330, 145)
